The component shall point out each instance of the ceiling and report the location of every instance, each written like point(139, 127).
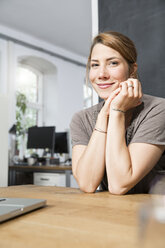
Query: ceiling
point(64, 23)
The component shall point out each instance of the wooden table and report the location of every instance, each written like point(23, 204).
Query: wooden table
point(73, 219)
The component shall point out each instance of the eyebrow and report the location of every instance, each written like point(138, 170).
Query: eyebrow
point(95, 60)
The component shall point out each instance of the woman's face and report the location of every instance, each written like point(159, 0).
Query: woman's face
point(107, 69)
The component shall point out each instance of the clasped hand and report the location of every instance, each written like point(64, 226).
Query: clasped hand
point(128, 95)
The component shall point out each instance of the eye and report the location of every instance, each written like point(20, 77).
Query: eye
point(94, 65)
point(113, 63)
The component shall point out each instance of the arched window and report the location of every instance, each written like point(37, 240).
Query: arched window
point(30, 83)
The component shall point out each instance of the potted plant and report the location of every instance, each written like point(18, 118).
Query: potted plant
point(21, 106)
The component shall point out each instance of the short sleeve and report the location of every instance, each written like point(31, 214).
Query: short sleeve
point(151, 127)
point(79, 135)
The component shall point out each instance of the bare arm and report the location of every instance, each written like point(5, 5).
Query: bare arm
point(126, 166)
point(88, 162)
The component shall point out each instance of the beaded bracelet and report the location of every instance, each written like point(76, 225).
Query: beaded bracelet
point(100, 130)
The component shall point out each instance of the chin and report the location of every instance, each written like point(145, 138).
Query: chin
point(104, 96)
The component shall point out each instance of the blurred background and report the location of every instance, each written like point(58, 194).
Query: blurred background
point(44, 47)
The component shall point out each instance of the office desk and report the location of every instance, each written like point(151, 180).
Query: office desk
point(73, 219)
point(13, 169)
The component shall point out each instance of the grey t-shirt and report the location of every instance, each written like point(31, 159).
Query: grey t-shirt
point(147, 126)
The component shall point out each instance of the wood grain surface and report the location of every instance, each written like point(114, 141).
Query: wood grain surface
point(73, 219)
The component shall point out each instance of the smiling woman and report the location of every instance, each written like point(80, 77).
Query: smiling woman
point(118, 143)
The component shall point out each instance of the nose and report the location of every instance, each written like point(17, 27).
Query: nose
point(103, 73)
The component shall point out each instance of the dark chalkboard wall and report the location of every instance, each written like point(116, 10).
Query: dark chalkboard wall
point(144, 22)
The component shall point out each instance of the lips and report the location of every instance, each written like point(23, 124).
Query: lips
point(105, 85)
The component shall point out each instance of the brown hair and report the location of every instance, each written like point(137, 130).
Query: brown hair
point(118, 42)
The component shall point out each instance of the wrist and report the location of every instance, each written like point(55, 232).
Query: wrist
point(117, 113)
point(102, 117)
point(102, 121)
point(118, 110)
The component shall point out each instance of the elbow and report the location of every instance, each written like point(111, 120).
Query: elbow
point(87, 188)
point(117, 190)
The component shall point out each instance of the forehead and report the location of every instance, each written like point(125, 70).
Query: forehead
point(101, 51)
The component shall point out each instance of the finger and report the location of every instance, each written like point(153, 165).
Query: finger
point(136, 88)
point(140, 91)
point(130, 85)
point(116, 92)
point(130, 82)
point(124, 88)
point(122, 83)
point(112, 96)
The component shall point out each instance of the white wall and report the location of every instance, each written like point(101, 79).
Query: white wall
point(3, 66)
point(50, 96)
point(64, 97)
point(3, 141)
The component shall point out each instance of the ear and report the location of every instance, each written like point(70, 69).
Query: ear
point(133, 71)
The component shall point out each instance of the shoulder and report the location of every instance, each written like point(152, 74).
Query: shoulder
point(87, 113)
point(82, 124)
point(152, 114)
point(153, 101)
point(152, 106)
point(148, 122)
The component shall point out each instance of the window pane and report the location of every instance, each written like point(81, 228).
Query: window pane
point(31, 117)
point(27, 84)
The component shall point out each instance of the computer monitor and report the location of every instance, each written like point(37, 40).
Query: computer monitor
point(41, 137)
point(61, 142)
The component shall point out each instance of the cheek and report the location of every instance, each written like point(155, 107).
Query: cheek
point(91, 76)
point(123, 73)
point(124, 76)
